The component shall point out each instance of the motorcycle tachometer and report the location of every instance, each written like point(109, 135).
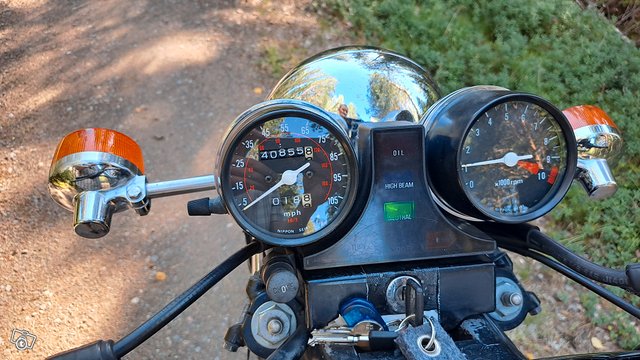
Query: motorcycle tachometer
point(511, 158)
point(288, 172)
point(500, 155)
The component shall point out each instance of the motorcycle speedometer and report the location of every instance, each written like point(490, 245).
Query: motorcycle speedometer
point(500, 155)
point(288, 172)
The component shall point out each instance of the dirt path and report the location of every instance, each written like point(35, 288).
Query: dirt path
point(170, 74)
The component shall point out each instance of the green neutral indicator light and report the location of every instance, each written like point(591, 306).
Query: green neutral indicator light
point(396, 211)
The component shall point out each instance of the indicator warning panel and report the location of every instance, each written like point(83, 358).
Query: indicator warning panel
point(397, 211)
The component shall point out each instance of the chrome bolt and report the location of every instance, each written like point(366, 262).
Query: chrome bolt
point(515, 299)
point(274, 326)
point(511, 299)
point(134, 192)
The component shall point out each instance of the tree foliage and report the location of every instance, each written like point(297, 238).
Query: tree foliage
point(550, 48)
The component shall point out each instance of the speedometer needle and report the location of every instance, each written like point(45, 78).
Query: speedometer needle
point(289, 177)
point(510, 159)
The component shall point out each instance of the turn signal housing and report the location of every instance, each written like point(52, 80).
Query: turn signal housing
point(100, 140)
point(596, 133)
point(85, 165)
point(599, 145)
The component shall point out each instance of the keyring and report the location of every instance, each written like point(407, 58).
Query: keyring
point(404, 324)
point(429, 350)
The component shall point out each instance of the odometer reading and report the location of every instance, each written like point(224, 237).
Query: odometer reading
point(511, 159)
point(289, 176)
point(283, 153)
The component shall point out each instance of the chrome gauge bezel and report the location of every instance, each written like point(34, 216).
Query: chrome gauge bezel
point(447, 124)
point(556, 195)
point(262, 113)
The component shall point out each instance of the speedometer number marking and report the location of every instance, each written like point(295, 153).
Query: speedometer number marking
point(287, 170)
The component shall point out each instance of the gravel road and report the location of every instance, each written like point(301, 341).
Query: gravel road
point(170, 74)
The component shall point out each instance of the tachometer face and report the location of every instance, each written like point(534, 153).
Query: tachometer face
point(512, 159)
point(290, 178)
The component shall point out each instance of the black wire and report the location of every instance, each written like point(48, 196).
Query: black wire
point(579, 278)
point(544, 244)
point(182, 302)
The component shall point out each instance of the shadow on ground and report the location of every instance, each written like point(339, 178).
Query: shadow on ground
point(170, 74)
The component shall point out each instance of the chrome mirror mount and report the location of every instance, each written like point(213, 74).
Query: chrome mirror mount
point(95, 185)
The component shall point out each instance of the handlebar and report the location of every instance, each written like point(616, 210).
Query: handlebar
point(180, 186)
point(528, 237)
point(628, 279)
point(99, 350)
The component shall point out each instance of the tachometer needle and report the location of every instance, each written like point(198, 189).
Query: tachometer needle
point(510, 159)
point(289, 177)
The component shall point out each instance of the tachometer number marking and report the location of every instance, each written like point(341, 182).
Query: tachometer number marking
point(510, 167)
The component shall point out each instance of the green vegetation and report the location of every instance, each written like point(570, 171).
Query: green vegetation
point(553, 49)
point(278, 57)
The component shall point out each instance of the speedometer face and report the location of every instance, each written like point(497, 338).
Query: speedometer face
point(512, 159)
point(289, 177)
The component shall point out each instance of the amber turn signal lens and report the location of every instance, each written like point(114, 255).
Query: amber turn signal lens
point(586, 115)
point(100, 140)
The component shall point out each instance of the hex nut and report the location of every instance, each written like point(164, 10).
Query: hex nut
point(264, 315)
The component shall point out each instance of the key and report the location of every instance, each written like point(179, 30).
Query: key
point(414, 301)
point(374, 340)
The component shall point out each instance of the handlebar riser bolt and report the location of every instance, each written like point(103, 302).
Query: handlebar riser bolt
point(511, 299)
point(274, 326)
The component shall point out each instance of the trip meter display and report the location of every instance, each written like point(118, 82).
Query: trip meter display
point(512, 157)
point(494, 154)
point(288, 173)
